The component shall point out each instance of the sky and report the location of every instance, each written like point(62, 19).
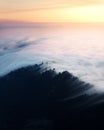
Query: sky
point(75, 11)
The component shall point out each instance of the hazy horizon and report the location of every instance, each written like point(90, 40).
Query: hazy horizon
point(11, 23)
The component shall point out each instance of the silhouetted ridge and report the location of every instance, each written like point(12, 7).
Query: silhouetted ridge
point(36, 98)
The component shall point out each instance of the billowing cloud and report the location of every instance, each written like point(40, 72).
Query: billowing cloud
point(11, 45)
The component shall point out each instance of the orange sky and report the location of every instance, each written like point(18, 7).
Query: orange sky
point(90, 11)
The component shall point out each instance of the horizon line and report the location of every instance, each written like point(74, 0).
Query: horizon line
point(30, 22)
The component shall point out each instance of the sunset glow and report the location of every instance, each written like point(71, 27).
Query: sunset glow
point(53, 11)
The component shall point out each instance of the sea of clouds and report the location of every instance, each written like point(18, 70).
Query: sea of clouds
point(79, 51)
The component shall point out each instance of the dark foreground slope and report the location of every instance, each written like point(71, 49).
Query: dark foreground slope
point(33, 99)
